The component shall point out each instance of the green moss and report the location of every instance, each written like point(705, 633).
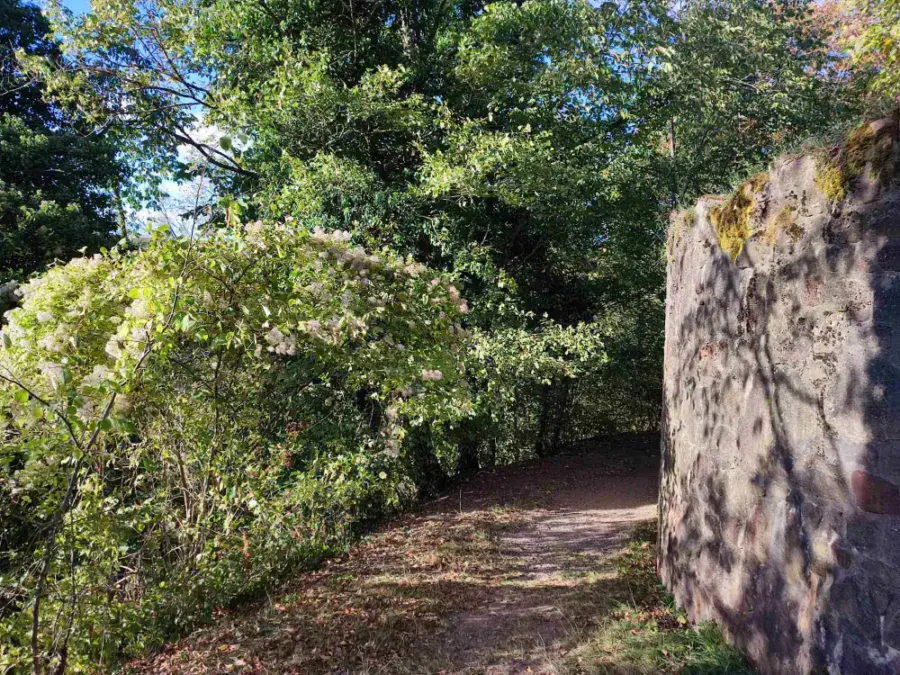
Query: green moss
point(731, 220)
point(864, 149)
point(831, 181)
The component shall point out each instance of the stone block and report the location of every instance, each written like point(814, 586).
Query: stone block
point(860, 658)
point(891, 633)
point(888, 257)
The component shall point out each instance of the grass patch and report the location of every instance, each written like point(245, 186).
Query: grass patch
point(648, 634)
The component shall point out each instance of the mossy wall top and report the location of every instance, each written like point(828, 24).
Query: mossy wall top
point(780, 495)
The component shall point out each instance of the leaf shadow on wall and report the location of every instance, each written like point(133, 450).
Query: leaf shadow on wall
point(781, 455)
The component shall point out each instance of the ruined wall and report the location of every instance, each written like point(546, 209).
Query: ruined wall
point(779, 504)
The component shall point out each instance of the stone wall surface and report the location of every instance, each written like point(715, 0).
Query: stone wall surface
point(780, 481)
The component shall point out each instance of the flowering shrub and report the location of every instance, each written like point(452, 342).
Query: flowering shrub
point(182, 424)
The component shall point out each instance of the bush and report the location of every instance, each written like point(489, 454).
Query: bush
point(182, 424)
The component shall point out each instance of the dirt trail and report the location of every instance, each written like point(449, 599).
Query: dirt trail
point(578, 510)
point(502, 576)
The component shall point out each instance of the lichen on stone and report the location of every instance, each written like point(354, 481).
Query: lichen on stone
point(785, 221)
point(731, 220)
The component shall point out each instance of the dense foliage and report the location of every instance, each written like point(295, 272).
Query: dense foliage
point(184, 423)
point(533, 148)
point(876, 41)
point(195, 418)
point(55, 173)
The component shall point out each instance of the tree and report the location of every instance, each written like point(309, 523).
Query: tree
point(55, 175)
point(876, 43)
point(531, 148)
point(742, 80)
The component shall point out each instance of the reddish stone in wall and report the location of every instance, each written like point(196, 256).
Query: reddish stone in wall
point(812, 293)
point(874, 494)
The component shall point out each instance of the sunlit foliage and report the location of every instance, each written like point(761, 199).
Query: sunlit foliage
point(182, 424)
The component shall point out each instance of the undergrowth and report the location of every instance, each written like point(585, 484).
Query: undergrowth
point(648, 633)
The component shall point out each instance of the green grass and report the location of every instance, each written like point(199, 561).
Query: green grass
point(649, 634)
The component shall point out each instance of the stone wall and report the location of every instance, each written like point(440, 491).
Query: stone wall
point(779, 502)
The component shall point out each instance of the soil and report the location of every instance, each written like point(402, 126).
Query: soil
point(505, 574)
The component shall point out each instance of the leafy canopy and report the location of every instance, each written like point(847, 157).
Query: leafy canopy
point(55, 174)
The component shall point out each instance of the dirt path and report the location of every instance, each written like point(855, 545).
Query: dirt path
point(576, 512)
point(503, 576)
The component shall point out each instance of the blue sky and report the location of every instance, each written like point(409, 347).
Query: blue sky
point(78, 5)
point(173, 193)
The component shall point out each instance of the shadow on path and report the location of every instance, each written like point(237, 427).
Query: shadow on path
point(501, 576)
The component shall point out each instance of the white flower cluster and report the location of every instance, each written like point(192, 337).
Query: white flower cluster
point(53, 372)
point(86, 411)
point(57, 340)
point(140, 334)
point(355, 257)
point(138, 309)
point(393, 432)
point(333, 237)
point(315, 288)
point(25, 291)
point(254, 228)
point(457, 300)
point(279, 343)
point(254, 234)
point(432, 375)
point(117, 346)
point(12, 331)
point(91, 263)
point(122, 406)
point(97, 377)
point(113, 347)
